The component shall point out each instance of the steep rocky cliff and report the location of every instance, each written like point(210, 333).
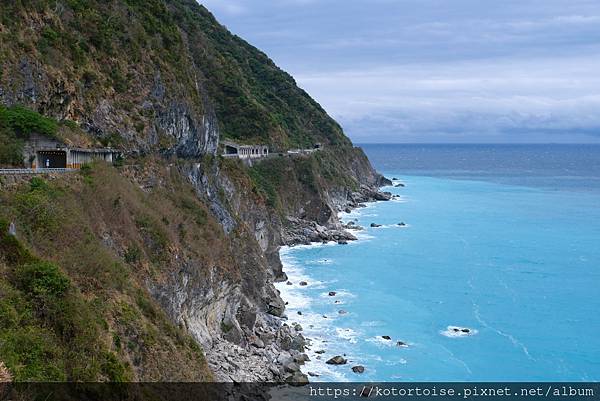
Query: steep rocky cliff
point(196, 236)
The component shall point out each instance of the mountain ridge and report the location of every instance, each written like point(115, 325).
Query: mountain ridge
point(187, 241)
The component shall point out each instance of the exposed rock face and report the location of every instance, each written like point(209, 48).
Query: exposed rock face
point(172, 112)
point(4, 374)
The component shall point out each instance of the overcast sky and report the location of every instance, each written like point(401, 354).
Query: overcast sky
point(437, 70)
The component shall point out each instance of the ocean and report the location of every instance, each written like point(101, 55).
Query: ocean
point(495, 275)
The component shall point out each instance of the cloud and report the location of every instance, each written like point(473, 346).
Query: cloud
point(465, 70)
point(481, 98)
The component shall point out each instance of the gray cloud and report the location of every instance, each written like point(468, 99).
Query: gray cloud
point(434, 70)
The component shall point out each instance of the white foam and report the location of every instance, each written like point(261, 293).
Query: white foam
point(457, 331)
point(380, 341)
point(347, 334)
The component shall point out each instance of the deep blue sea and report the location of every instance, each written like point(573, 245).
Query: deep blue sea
point(502, 240)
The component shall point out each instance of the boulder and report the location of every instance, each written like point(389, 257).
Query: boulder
point(402, 224)
point(291, 367)
point(342, 312)
point(297, 379)
point(382, 196)
point(276, 308)
point(257, 342)
point(401, 344)
point(337, 360)
point(300, 359)
point(303, 283)
point(358, 369)
point(342, 242)
point(375, 225)
point(313, 374)
point(320, 351)
point(289, 283)
point(386, 337)
point(332, 293)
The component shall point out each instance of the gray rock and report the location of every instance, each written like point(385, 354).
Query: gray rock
point(291, 367)
point(297, 379)
point(386, 337)
point(313, 374)
point(303, 283)
point(337, 360)
point(342, 312)
point(300, 359)
point(12, 229)
point(332, 293)
point(382, 196)
point(375, 225)
point(257, 342)
point(358, 369)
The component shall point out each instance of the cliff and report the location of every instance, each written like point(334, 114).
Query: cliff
point(173, 254)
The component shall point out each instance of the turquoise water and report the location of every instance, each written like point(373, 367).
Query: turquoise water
point(517, 265)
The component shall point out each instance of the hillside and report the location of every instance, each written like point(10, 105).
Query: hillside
point(160, 75)
point(160, 267)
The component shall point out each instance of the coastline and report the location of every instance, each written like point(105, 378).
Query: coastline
point(297, 311)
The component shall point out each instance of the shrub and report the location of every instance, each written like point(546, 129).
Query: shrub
point(24, 122)
point(32, 354)
point(42, 280)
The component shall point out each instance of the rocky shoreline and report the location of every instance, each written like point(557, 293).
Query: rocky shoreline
point(275, 350)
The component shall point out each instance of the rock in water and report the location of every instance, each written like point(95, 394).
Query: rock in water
point(386, 337)
point(358, 369)
point(337, 360)
point(303, 283)
point(332, 293)
point(375, 225)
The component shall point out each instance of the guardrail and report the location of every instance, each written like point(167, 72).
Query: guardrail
point(16, 171)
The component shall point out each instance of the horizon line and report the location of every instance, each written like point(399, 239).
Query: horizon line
point(476, 143)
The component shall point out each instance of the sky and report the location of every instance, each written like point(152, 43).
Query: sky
point(437, 71)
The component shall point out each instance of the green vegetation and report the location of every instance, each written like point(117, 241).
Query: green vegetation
point(267, 178)
point(48, 331)
point(79, 313)
point(16, 125)
point(118, 49)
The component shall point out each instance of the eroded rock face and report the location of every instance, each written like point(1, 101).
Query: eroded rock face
point(168, 119)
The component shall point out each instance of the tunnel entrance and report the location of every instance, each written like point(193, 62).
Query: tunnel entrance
point(52, 159)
